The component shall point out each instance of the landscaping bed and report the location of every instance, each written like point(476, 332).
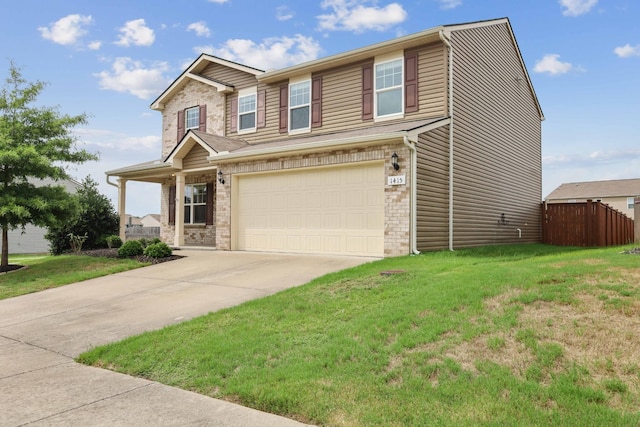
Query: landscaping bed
point(113, 253)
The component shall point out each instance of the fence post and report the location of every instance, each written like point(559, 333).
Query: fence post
point(636, 221)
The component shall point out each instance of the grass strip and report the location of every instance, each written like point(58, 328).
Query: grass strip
point(503, 335)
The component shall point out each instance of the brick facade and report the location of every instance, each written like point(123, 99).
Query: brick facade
point(192, 94)
point(397, 198)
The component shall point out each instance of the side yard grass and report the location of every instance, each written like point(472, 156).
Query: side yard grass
point(46, 271)
point(505, 335)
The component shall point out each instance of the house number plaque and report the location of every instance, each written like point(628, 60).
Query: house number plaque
point(397, 180)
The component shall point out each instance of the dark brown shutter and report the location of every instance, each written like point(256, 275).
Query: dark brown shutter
point(202, 126)
point(316, 102)
point(172, 205)
point(284, 107)
point(209, 203)
point(261, 109)
point(234, 114)
point(367, 92)
point(411, 82)
point(180, 124)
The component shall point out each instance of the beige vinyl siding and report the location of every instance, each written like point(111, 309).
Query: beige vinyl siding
point(239, 79)
point(342, 97)
point(433, 190)
point(196, 158)
point(497, 153)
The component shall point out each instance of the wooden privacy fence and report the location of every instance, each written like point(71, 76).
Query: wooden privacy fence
point(585, 224)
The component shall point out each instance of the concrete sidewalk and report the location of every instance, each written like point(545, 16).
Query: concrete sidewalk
point(41, 333)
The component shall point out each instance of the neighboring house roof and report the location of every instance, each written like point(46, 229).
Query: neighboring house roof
point(596, 189)
point(132, 220)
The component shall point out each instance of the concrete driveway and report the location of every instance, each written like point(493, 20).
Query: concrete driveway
point(41, 333)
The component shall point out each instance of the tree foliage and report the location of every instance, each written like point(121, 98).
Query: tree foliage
point(36, 144)
point(96, 218)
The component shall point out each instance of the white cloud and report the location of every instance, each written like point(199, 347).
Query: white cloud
point(274, 52)
point(449, 4)
point(200, 28)
point(108, 139)
point(356, 16)
point(137, 33)
point(627, 51)
point(67, 30)
point(283, 13)
point(551, 64)
point(218, 1)
point(577, 7)
point(95, 45)
point(132, 77)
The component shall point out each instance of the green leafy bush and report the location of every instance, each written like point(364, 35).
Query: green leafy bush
point(144, 242)
point(130, 248)
point(114, 241)
point(158, 250)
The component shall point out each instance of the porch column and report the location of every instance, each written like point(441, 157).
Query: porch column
point(178, 238)
point(122, 208)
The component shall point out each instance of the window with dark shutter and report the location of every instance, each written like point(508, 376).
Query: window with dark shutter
point(316, 102)
point(262, 109)
point(367, 92)
point(284, 108)
point(172, 205)
point(411, 82)
point(234, 114)
point(180, 124)
point(203, 119)
point(209, 220)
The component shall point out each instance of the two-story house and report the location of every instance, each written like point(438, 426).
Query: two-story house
point(427, 141)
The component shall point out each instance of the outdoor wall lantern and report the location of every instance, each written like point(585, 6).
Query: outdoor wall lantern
point(503, 220)
point(394, 161)
point(220, 177)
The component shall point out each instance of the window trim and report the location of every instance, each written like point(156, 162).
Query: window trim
point(186, 118)
point(290, 107)
point(245, 93)
point(379, 61)
point(191, 205)
point(631, 202)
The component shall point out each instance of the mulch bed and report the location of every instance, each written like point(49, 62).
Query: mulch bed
point(634, 251)
point(113, 253)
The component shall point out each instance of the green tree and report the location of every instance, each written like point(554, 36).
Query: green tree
point(96, 218)
point(35, 143)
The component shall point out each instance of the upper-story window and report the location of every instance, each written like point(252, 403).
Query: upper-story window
point(630, 203)
point(388, 88)
point(192, 118)
point(299, 105)
point(247, 112)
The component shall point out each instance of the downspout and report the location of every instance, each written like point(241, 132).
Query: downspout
point(413, 243)
point(112, 183)
point(447, 43)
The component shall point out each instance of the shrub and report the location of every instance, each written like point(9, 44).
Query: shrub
point(143, 242)
point(130, 248)
point(155, 240)
point(76, 242)
point(114, 241)
point(158, 250)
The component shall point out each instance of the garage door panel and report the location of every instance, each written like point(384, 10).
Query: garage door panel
point(322, 210)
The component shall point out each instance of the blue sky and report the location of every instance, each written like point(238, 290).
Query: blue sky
point(111, 60)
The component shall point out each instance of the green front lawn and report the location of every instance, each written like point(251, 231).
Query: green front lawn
point(46, 271)
point(507, 335)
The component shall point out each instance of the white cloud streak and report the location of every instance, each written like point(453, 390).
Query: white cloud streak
point(218, 1)
point(200, 28)
point(136, 33)
point(283, 13)
point(68, 30)
point(129, 76)
point(356, 16)
point(627, 51)
point(450, 4)
point(551, 64)
point(270, 53)
point(577, 7)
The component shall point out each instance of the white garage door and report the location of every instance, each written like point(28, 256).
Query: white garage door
point(338, 210)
